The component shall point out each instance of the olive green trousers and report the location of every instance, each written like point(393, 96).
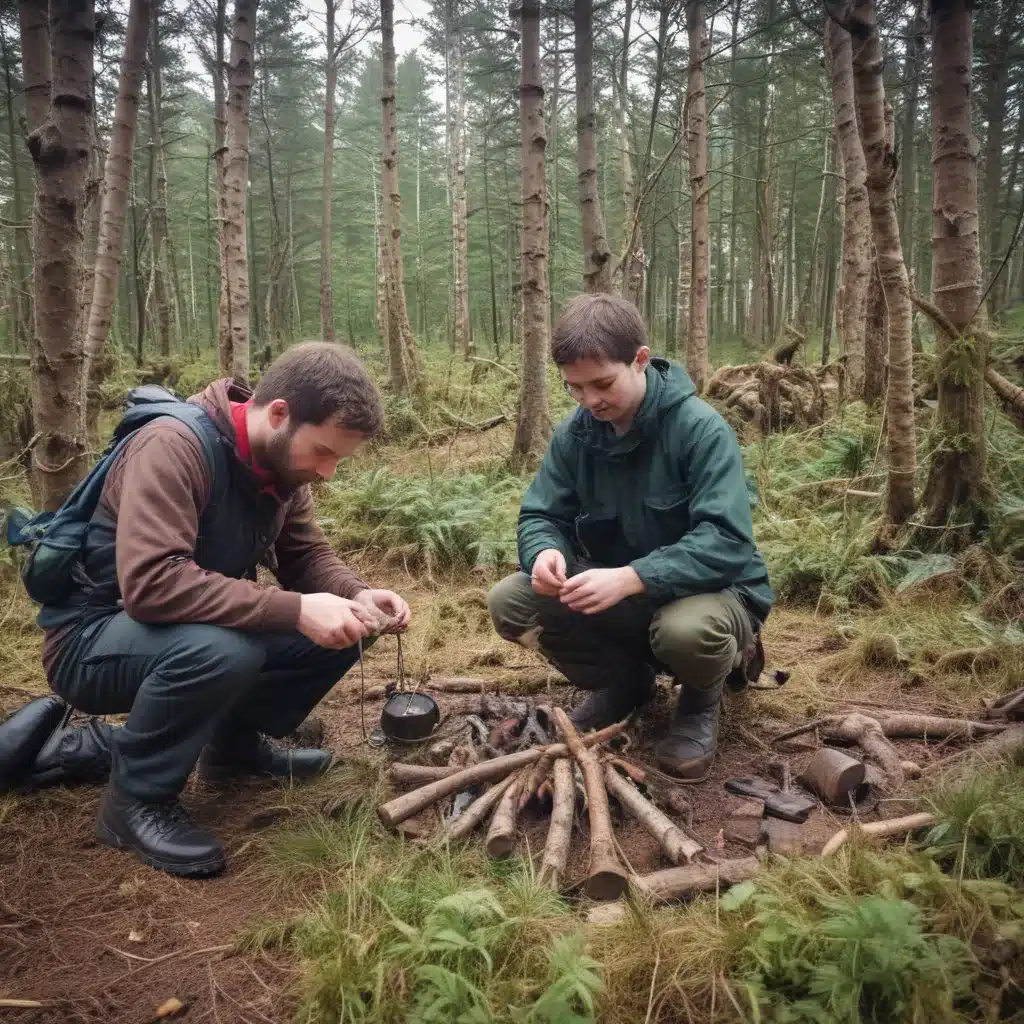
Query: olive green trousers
point(698, 640)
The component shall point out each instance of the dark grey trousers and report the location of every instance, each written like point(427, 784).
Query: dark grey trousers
point(183, 686)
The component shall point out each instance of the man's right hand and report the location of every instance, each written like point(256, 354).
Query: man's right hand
point(334, 622)
point(548, 573)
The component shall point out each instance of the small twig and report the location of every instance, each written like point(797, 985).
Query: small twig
point(807, 727)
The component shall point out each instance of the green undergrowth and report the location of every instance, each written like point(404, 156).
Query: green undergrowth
point(930, 931)
point(436, 522)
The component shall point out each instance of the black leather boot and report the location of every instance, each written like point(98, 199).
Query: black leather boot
point(74, 754)
point(161, 834)
point(255, 754)
point(23, 734)
point(611, 704)
point(688, 750)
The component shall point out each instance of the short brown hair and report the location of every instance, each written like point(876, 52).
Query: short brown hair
point(320, 381)
point(598, 326)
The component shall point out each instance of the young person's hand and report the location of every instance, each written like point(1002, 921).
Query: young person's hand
point(599, 589)
point(334, 622)
point(386, 604)
point(548, 575)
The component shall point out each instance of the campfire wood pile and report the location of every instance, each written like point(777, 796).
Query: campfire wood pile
point(510, 746)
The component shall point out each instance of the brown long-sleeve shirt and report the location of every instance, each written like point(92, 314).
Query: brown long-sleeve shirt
point(156, 492)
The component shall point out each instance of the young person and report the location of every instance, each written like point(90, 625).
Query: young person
point(636, 545)
point(167, 623)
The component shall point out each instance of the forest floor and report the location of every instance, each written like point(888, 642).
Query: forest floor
point(322, 915)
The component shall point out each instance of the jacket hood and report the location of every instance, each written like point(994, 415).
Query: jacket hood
point(668, 385)
point(216, 399)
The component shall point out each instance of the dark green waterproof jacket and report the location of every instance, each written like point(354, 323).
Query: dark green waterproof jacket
point(668, 497)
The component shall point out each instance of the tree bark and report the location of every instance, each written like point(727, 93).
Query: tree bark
point(220, 122)
point(35, 62)
point(60, 148)
point(956, 479)
point(399, 328)
point(326, 238)
point(22, 269)
point(685, 249)
point(532, 424)
point(159, 231)
point(117, 177)
point(917, 35)
point(857, 228)
point(234, 286)
point(457, 179)
point(597, 268)
point(700, 197)
point(879, 154)
point(1011, 396)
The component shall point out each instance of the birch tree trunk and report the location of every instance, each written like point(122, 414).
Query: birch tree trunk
point(117, 177)
point(326, 236)
point(879, 154)
point(399, 328)
point(700, 197)
point(597, 268)
point(956, 479)
point(857, 228)
point(60, 148)
point(532, 424)
point(457, 179)
point(234, 285)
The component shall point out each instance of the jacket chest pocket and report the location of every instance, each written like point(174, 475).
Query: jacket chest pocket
point(667, 516)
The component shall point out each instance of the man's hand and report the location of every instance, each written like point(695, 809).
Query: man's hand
point(598, 589)
point(334, 622)
point(548, 575)
point(386, 605)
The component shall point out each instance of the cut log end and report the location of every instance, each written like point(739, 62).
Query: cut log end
point(608, 883)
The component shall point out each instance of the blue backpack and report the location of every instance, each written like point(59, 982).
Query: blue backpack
point(56, 540)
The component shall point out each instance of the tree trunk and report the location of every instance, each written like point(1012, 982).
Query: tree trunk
point(803, 304)
point(457, 179)
point(326, 238)
point(399, 328)
point(158, 195)
point(917, 34)
point(117, 178)
point(857, 231)
point(60, 151)
point(879, 154)
point(234, 286)
point(35, 62)
point(532, 425)
point(700, 197)
point(685, 249)
point(956, 479)
point(220, 121)
point(997, 81)
point(22, 269)
point(597, 267)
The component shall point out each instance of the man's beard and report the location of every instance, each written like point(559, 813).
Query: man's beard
point(276, 458)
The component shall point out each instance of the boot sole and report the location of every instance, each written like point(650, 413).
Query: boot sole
point(194, 869)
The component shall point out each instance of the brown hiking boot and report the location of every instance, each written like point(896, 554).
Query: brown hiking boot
point(688, 750)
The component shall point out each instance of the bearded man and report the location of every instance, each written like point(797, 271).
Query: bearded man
point(166, 622)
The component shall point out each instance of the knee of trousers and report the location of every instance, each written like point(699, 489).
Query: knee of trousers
point(514, 608)
point(697, 649)
point(215, 654)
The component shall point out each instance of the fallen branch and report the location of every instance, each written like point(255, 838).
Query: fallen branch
point(674, 883)
point(563, 805)
point(456, 684)
point(408, 804)
point(891, 827)
point(417, 774)
point(21, 1004)
point(913, 726)
point(607, 878)
point(937, 317)
point(501, 836)
point(1010, 396)
point(479, 809)
point(674, 843)
point(488, 424)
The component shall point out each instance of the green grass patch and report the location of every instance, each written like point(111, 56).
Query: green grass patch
point(980, 833)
